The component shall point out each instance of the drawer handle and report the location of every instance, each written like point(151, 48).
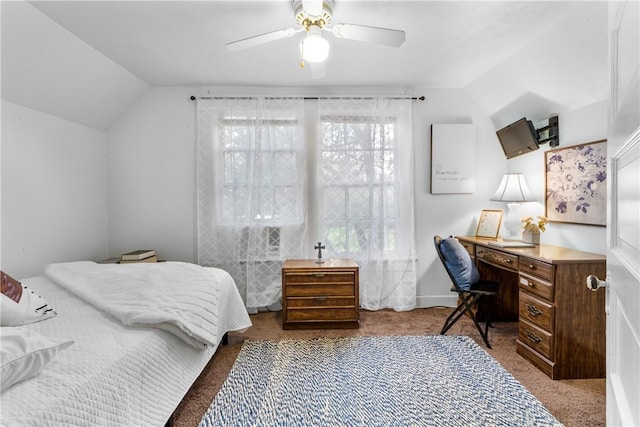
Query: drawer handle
point(533, 310)
point(320, 299)
point(532, 267)
point(318, 274)
point(497, 258)
point(533, 337)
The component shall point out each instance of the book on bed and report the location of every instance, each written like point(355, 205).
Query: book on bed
point(138, 255)
point(153, 258)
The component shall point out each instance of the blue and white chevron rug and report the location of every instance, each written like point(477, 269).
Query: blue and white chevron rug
point(372, 381)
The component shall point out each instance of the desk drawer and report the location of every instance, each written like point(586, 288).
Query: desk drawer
point(536, 311)
point(537, 268)
point(499, 258)
point(470, 247)
point(536, 338)
point(536, 286)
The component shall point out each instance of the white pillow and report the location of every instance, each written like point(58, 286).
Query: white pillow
point(31, 308)
point(25, 353)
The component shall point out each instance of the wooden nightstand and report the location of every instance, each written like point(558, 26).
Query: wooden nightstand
point(316, 296)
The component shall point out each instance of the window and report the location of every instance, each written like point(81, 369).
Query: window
point(251, 204)
point(258, 170)
point(257, 198)
point(358, 179)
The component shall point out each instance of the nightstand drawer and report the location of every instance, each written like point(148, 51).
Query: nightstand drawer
point(319, 277)
point(321, 314)
point(321, 301)
point(314, 290)
point(536, 311)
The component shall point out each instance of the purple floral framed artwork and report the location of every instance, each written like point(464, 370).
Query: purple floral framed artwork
point(576, 184)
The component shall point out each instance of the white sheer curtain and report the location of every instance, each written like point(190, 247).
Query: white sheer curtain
point(365, 195)
point(251, 204)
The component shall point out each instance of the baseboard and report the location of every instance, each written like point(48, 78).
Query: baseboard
point(424, 301)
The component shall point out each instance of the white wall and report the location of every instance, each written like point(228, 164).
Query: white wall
point(54, 200)
point(151, 174)
point(449, 214)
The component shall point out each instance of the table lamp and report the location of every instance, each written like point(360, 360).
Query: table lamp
point(514, 190)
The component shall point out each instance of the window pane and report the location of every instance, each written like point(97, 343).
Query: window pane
point(234, 202)
point(334, 203)
point(235, 167)
point(264, 205)
point(336, 238)
point(286, 204)
point(390, 201)
point(260, 153)
point(284, 168)
point(359, 202)
point(263, 172)
point(237, 137)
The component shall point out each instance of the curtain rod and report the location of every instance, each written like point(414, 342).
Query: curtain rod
point(413, 98)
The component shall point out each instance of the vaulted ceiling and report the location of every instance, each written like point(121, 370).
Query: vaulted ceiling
point(87, 60)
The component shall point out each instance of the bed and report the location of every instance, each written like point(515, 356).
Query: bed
point(114, 368)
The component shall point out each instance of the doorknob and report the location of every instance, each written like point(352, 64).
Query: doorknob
point(594, 283)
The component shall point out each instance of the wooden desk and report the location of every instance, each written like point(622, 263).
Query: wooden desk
point(561, 322)
point(320, 295)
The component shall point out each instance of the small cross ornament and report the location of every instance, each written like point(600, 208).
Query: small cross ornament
point(319, 247)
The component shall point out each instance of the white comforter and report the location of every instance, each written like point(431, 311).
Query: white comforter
point(113, 375)
point(179, 297)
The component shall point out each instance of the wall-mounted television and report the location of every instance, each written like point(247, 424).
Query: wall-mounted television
point(518, 138)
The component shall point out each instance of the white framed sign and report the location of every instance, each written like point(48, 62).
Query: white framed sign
point(453, 158)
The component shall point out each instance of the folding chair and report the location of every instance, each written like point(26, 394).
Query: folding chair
point(466, 282)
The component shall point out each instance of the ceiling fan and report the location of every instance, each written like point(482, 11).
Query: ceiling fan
point(314, 17)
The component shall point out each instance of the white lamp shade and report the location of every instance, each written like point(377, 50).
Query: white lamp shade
point(513, 188)
point(313, 47)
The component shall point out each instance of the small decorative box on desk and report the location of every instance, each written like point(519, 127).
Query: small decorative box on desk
point(317, 296)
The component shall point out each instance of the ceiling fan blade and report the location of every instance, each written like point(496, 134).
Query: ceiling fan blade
point(261, 39)
point(364, 33)
point(312, 7)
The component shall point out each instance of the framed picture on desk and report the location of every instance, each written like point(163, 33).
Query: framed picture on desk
point(489, 223)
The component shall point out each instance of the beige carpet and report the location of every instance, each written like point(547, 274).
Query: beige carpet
point(575, 403)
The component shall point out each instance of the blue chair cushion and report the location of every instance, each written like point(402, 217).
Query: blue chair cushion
point(459, 263)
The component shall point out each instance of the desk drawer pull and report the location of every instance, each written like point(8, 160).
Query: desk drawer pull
point(320, 299)
point(499, 259)
point(318, 274)
point(533, 337)
point(532, 267)
point(533, 310)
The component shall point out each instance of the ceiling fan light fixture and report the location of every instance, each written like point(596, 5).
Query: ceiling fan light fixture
point(314, 48)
